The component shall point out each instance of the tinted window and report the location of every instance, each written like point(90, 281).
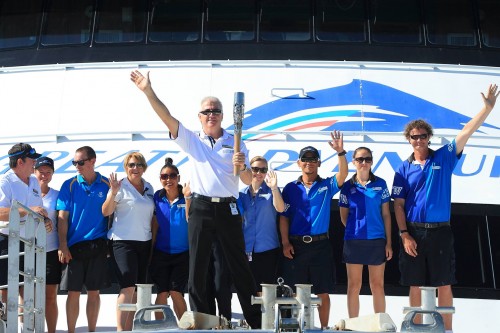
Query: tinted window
point(68, 22)
point(489, 23)
point(175, 21)
point(395, 21)
point(120, 21)
point(228, 20)
point(340, 21)
point(450, 22)
point(13, 34)
point(285, 20)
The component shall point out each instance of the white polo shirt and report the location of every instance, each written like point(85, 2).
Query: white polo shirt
point(11, 187)
point(49, 203)
point(211, 162)
point(133, 213)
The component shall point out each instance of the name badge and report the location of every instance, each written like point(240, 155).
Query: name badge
point(234, 209)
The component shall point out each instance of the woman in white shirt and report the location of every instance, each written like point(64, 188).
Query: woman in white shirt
point(131, 202)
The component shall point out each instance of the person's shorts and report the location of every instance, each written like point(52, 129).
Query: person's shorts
point(89, 267)
point(4, 263)
point(170, 272)
point(364, 251)
point(130, 261)
point(53, 273)
point(434, 265)
point(312, 264)
point(264, 266)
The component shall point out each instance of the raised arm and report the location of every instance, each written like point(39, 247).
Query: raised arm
point(337, 144)
point(472, 126)
point(144, 84)
point(272, 181)
point(108, 207)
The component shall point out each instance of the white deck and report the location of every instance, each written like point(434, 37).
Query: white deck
point(472, 315)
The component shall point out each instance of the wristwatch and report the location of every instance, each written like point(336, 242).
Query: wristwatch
point(402, 231)
point(342, 153)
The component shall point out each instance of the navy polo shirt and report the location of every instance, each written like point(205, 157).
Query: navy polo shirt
point(309, 213)
point(84, 204)
point(427, 190)
point(172, 235)
point(364, 220)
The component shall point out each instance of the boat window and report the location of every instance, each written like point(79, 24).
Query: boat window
point(13, 34)
point(395, 21)
point(230, 20)
point(175, 21)
point(285, 20)
point(450, 22)
point(489, 22)
point(340, 21)
point(120, 21)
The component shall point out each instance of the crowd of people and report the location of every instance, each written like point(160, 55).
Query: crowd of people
point(178, 236)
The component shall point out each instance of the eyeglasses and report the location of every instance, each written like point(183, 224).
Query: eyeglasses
point(165, 176)
point(215, 112)
point(133, 165)
point(309, 159)
point(80, 162)
point(419, 136)
point(257, 170)
point(32, 151)
point(364, 159)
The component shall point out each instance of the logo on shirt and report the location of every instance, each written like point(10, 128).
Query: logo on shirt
point(35, 193)
point(265, 195)
point(450, 147)
point(343, 198)
point(286, 207)
point(322, 189)
point(386, 194)
point(436, 167)
point(100, 195)
point(396, 190)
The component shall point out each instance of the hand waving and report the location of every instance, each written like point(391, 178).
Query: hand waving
point(114, 182)
point(142, 82)
point(337, 142)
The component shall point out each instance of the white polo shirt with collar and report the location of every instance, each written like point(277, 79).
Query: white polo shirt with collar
point(212, 162)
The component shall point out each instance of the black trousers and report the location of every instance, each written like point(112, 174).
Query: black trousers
point(209, 221)
point(219, 283)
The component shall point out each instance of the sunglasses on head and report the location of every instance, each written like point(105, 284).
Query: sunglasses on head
point(309, 159)
point(211, 111)
point(165, 176)
point(257, 170)
point(364, 159)
point(32, 151)
point(80, 162)
point(419, 136)
point(133, 165)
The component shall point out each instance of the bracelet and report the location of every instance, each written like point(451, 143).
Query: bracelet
point(342, 153)
point(401, 232)
point(274, 189)
point(188, 197)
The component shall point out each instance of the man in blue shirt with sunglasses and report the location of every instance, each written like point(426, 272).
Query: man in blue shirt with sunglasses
point(304, 225)
point(422, 205)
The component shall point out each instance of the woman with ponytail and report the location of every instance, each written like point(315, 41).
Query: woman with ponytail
point(364, 211)
point(170, 261)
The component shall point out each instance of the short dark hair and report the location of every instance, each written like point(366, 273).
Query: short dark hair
point(88, 151)
point(420, 124)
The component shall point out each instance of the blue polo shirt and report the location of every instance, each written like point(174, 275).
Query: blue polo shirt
point(172, 235)
point(309, 212)
point(259, 219)
point(427, 190)
point(365, 208)
point(84, 204)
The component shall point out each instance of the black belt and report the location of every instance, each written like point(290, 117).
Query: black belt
point(214, 199)
point(309, 238)
point(429, 225)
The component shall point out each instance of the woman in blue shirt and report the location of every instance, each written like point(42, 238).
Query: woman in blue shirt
point(170, 261)
point(259, 203)
point(364, 211)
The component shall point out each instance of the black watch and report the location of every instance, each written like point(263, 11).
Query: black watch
point(402, 231)
point(342, 153)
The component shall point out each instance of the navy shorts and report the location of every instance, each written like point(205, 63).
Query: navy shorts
point(4, 263)
point(89, 267)
point(264, 267)
point(312, 264)
point(54, 271)
point(170, 272)
point(130, 261)
point(434, 265)
point(364, 251)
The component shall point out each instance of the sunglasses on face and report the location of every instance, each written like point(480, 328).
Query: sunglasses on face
point(165, 176)
point(215, 112)
point(257, 170)
point(80, 162)
point(133, 165)
point(419, 136)
point(364, 159)
point(309, 159)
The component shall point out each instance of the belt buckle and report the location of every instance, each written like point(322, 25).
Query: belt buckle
point(215, 199)
point(307, 239)
point(428, 226)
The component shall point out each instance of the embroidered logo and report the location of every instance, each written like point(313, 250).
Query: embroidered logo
point(286, 207)
point(396, 190)
point(100, 195)
point(450, 147)
point(343, 199)
point(322, 189)
point(386, 194)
